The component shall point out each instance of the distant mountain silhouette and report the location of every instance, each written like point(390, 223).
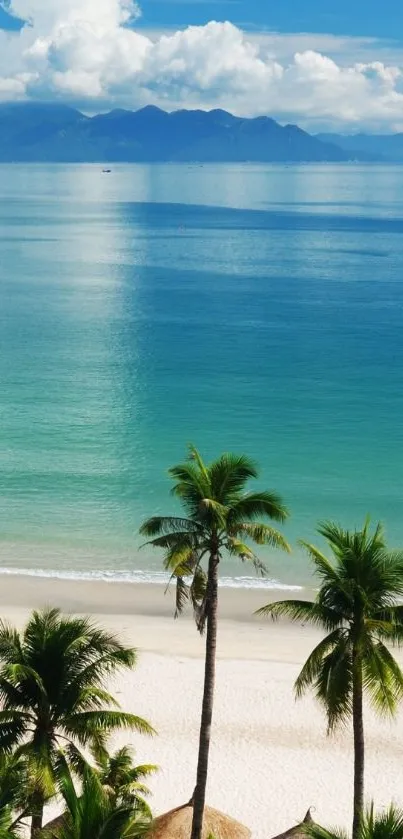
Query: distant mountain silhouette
point(58, 133)
point(387, 147)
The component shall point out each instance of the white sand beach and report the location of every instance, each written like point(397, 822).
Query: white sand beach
point(270, 757)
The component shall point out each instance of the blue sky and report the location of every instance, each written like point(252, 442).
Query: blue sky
point(339, 17)
point(6, 21)
point(324, 64)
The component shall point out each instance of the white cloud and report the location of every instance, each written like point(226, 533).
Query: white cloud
point(83, 52)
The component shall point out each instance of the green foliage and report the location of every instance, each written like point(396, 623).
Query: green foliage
point(221, 517)
point(13, 791)
point(123, 781)
point(8, 828)
point(93, 812)
point(14, 781)
point(357, 605)
point(386, 825)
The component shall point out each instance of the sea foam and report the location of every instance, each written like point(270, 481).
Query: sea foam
point(151, 577)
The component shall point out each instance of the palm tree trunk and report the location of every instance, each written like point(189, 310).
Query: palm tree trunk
point(38, 806)
point(199, 795)
point(358, 728)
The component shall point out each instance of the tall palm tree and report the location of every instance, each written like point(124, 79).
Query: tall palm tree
point(357, 605)
point(53, 696)
point(387, 825)
point(220, 517)
point(91, 813)
point(123, 780)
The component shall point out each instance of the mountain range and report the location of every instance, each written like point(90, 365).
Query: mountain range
point(33, 132)
point(368, 146)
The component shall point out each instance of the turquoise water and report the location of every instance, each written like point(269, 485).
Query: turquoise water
point(252, 308)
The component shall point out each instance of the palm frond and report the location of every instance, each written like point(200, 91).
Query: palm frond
point(200, 611)
point(263, 534)
point(237, 548)
point(194, 455)
point(214, 508)
point(166, 525)
point(65, 781)
point(172, 540)
point(252, 505)
point(323, 567)
point(93, 698)
point(229, 475)
point(334, 683)
point(40, 768)
point(10, 644)
point(387, 624)
point(386, 825)
point(14, 781)
point(302, 611)
point(12, 695)
point(198, 587)
point(191, 483)
point(382, 677)
point(14, 726)
point(181, 559)
point(9, 827)
point(124, 824)
point(74, 759)
point(259, 566)
point(181, 595)
point(143, 771)
point(86, 724)
point(314, 663)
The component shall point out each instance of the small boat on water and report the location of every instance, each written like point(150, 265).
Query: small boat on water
point(106, 171)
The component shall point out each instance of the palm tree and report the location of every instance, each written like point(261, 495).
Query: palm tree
point(387, 825)
point(220, 517)
point(92, 812)
point(123, 780)
point(357, 607)
point(53, 697)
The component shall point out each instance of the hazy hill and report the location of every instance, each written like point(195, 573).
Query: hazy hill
point(38, 132)
point(372, 146)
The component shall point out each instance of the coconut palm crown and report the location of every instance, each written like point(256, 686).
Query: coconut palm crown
point(221, 517)
point(53, 697)
point(357, 605)
point(123, 780)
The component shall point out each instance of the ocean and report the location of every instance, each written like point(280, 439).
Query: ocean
point(257, 309)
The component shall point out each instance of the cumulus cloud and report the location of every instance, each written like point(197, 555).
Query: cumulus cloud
point(89, 53)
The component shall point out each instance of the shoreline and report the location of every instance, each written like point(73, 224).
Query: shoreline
point(112, 597)
point(143, 615)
